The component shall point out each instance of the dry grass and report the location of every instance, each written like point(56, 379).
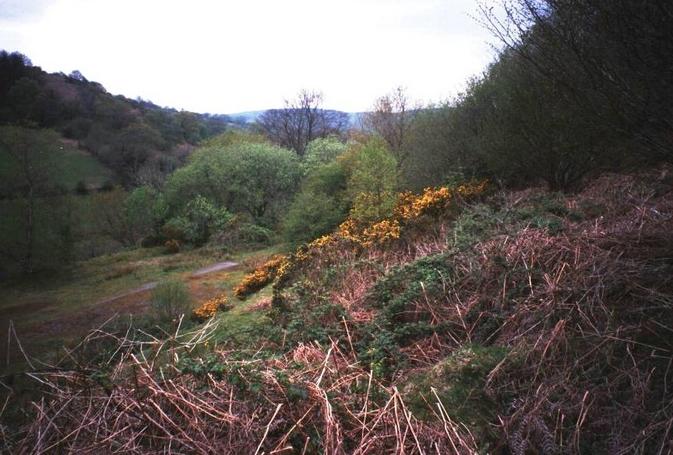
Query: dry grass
point(160, 409)
point(585, 317)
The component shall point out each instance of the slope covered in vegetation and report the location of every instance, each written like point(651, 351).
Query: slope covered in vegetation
point(483, 313)
point(487, 322)
point(138, 140)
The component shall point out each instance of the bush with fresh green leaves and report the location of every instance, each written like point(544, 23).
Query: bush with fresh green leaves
point(241, 233)
point(312, 215)
point(373, 182)
point(251, 178)
point(199, 220)
point(322, 151)
point(321, 205)
point(145, 209)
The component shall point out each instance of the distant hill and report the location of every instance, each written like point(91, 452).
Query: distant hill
point(138, 141)
point(245, 117)
point(248, 117)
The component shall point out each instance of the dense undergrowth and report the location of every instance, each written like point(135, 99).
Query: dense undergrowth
point(519, 322)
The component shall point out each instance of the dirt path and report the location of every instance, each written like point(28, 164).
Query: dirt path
point(215, 268)
point(149, 286)
point(143, 288)
point(72, 325)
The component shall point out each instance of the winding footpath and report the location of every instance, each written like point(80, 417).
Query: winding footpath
point(151, 285)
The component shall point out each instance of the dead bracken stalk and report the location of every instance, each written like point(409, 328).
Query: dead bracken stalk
point(582, 320)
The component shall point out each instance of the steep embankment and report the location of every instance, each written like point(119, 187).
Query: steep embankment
point(523, 322)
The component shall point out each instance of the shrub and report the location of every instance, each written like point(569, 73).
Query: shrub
point(253, 233)
point(240, 233)
point(261, 276)
point(310, 216)
point(320, 206)
point(170, 300)
point(145, 210)
point(373, 182)
point(200, 219)
point(211, 306)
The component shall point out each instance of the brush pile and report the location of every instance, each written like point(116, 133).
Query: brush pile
point(524, 323)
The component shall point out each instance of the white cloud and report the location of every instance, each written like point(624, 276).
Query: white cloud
point(228, 56)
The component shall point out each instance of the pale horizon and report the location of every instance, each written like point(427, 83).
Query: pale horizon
point(230, 57)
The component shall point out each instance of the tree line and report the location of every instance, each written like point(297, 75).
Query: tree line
point(579, 87)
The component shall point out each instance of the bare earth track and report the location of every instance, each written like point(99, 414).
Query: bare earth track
point(149, 286)
point(131, 302)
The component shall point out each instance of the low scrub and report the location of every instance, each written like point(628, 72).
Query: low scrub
point(480, 331)
point(170, 301)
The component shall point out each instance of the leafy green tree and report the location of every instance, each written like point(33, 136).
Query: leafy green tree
point(257, 179)
point(132, 149)
point(109, 216)
point(322, 151)
point(373, 182)
point(525, 130)
point(607, 61)
point(22, 99)
point(192, 130)
point(145, 210)
point(442, 146)
point(128, 218)
point(321, 205)
point(200, 220)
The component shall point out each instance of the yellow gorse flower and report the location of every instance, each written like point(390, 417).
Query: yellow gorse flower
point(409, 207)
point(261, 276)
point(322, 241)
point(211, 306)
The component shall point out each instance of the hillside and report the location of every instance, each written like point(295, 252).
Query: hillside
point(137, 140)
point(472, 321)
point(490, 273)
point(77, 166)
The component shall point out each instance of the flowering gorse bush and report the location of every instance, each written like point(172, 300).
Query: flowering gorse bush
point(367, 235)
point(260, 277)
point(433, 200)
point(409, 207)
point(210, 307)
point(352, 233)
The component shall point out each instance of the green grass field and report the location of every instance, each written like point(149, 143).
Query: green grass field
point(72, 165)
point(79, 165)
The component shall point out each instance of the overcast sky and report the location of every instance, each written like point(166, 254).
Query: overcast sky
point(230, 56)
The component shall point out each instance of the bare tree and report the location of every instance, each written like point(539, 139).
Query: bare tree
point(391, 118)
point(302, 120)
